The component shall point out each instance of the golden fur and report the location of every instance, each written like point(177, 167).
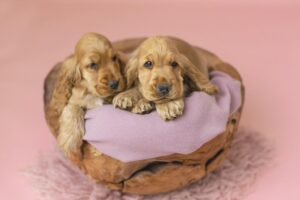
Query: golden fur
point(174, 68)
point(118, 175)
point(84, 82)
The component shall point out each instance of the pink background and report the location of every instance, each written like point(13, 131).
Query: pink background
point(260, 38)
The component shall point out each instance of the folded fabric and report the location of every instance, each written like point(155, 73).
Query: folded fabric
point(130, 137)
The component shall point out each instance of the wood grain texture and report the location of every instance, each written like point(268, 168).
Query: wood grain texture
point(156, 175)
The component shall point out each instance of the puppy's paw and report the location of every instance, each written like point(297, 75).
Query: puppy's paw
point(210, 88)
point(124, 101)
point(170, 110)
point(142, 106)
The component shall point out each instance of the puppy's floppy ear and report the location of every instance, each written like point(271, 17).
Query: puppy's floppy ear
point(131, 72)
point(69, 76)
point(73, 74)
point(199, 79)
point(122, 59)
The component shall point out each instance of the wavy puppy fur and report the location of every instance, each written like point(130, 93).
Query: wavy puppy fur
point(92, 75)
point(160, 72)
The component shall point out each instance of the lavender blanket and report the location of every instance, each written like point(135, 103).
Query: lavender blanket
point(131, 137)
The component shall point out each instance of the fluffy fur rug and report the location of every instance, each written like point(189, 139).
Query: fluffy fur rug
point(56, 179)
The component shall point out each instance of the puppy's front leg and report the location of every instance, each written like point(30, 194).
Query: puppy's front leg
point(209, 88)
point(142, 106)
point(206, 85)
point(126, 100)
point(171, 109)
point(71, 131)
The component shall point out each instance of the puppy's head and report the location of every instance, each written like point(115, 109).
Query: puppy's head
point(159, 70)
point(98, 66)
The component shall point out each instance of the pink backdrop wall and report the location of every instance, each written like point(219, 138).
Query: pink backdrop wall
point(260, 38)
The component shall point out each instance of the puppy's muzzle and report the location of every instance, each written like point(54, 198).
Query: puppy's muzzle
point(113, 84)
point(163, 89)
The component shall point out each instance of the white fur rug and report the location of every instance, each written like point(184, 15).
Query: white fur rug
point(54, 178)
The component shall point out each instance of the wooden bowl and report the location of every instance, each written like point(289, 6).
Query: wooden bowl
point(157, 175)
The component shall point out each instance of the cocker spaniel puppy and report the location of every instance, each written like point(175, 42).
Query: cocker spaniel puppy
point(87, 78)
point(159, 73)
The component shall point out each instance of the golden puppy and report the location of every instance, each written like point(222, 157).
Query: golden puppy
point(160, 71)
point(87, 78)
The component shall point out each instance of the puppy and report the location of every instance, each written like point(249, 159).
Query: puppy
point(92, 75)
point(159, 73)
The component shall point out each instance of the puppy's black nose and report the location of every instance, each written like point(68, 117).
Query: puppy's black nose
point(163, 89)
point(113, 84)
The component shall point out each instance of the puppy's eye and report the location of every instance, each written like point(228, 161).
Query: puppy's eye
point(93, 66)
point(114, 58)
point(148, 64)
point(174, 64)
